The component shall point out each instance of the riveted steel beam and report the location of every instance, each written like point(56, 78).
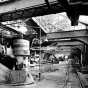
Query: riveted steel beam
point(22, 9)
point(21, 4)
point(83, 40)
point(8, 28)
point(68, 34)
point(75, 43)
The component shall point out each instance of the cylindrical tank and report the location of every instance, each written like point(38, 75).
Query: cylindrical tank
point(21, 47)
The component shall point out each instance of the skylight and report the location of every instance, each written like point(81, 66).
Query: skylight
point(57, 22)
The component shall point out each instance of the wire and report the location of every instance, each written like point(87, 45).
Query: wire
point(40, 57)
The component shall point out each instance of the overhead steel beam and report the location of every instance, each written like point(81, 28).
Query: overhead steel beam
point(68, 34)
point(9, 29)
point(4, 27)
point(76, 35)
point(21, 9)
point(59, 52)
point(63, 48)
point(22, 4)
point(75, 43)
point(83, 39)
point(65, 53)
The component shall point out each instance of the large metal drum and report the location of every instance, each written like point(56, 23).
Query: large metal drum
point(15, 78)
point(21, 47)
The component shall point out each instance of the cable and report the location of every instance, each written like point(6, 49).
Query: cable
point(40, 57)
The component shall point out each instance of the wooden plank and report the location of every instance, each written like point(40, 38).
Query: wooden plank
point(68, 34)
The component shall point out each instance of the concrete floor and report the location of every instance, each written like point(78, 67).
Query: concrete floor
point(61, 78)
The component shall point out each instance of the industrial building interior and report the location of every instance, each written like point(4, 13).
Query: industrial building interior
point(43, 44)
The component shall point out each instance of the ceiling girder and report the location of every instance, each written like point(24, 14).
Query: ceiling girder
point(19, 34)
point(25, 9)
point(83, 40)
point(21, 9)
point(75, 43)
point(30, 12)
point(9, 29)
point(21, 4)
point(68, 34)
point(76, 35)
